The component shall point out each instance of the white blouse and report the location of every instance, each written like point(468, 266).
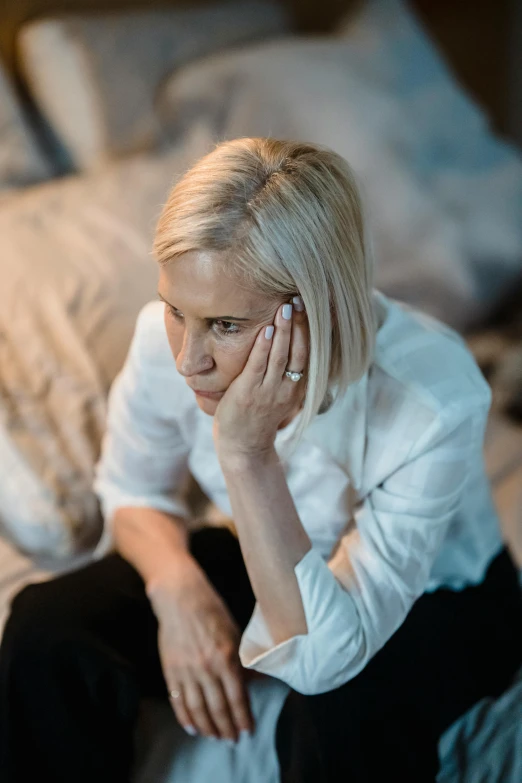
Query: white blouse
point(389, 483)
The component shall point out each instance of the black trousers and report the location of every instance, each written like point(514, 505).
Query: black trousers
point(80, 651)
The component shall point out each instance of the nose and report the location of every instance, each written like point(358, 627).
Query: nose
point(193, 357)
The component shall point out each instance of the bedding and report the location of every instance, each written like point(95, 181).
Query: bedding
point(21, 161)
point(451, 147)
point(95, 77)
point(76, 267)
point(443, 194)
point(486, 746)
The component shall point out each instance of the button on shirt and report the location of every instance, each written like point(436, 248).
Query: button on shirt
point(389, 483)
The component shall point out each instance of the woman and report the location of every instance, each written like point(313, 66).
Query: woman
point(343, 435)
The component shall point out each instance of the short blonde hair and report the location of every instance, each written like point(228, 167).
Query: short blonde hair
point(290, 218)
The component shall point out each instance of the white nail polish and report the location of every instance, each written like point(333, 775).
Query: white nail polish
point(287, 311)
point(269, 331)
point(190, 730)
point(298, 304)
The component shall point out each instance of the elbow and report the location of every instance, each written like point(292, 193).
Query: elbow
point(312, 687)
point(323, 668)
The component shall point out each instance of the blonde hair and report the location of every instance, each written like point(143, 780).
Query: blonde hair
point(290, 218)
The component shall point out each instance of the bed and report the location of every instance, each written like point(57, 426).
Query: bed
point(86, 162)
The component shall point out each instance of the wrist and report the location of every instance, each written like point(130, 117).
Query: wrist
point(166, 576)
point(235, 460)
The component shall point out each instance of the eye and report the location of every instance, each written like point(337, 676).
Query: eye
point(174, 313)
point(227, 327)
point(222, 327)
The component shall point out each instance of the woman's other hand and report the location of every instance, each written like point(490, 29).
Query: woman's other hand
point(198, 645)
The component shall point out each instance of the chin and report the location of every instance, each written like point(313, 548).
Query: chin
point(206, 405)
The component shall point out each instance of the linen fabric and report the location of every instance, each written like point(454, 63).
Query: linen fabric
point(389, 484)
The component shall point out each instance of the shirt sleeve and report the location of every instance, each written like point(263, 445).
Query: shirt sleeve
point(144, 458)
point(355, 602)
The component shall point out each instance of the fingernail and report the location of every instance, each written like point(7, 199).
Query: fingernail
point(230, 742)
point(190, 730)
point(298, 304)
point(287, 312)
point(269, 331)
point(246, 732)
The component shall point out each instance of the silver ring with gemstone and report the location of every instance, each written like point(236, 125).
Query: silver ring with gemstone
point(294, 376)
point(175, 694)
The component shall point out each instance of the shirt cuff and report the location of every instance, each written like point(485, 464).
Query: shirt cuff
point(314, 662)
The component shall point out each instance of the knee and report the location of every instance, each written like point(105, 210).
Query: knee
point(34, 621)
point(347, 711)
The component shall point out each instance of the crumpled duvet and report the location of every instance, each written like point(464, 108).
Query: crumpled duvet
point(76, 267)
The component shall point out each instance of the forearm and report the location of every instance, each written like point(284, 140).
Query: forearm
point(151, 540)
point(272, 538)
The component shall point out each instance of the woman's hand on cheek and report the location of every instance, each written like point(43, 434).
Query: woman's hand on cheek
point(261, 397)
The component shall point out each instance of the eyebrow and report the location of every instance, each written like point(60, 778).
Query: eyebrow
point(211, 318)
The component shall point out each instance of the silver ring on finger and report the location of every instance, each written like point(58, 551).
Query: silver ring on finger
point(294, 376)
point(174, 693)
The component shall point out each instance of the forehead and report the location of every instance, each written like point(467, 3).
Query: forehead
point(199, 283)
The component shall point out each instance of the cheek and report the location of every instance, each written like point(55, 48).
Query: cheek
point(231, 357)
point(174, 336)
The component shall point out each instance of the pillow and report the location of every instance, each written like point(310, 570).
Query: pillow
point(95, 76)
point(443, 195)
point(468, 169)
point(75, 269)
point(21, 162)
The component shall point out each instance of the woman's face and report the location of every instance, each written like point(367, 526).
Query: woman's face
point(211, 323)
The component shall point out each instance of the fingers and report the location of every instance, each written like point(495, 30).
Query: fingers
point(177, 699)
point(238, 699)
point(255, 368)
point(289, 345)
point(299, 341)
point(214, 707)
point(278, 357)
point(219, 708)
point(197, 709)
point(285, 344)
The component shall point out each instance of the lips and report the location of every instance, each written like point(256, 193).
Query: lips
point(211, 393)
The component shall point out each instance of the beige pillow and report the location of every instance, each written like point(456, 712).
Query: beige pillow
point(75, 269)
point(21, 162)
point(95, 77)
